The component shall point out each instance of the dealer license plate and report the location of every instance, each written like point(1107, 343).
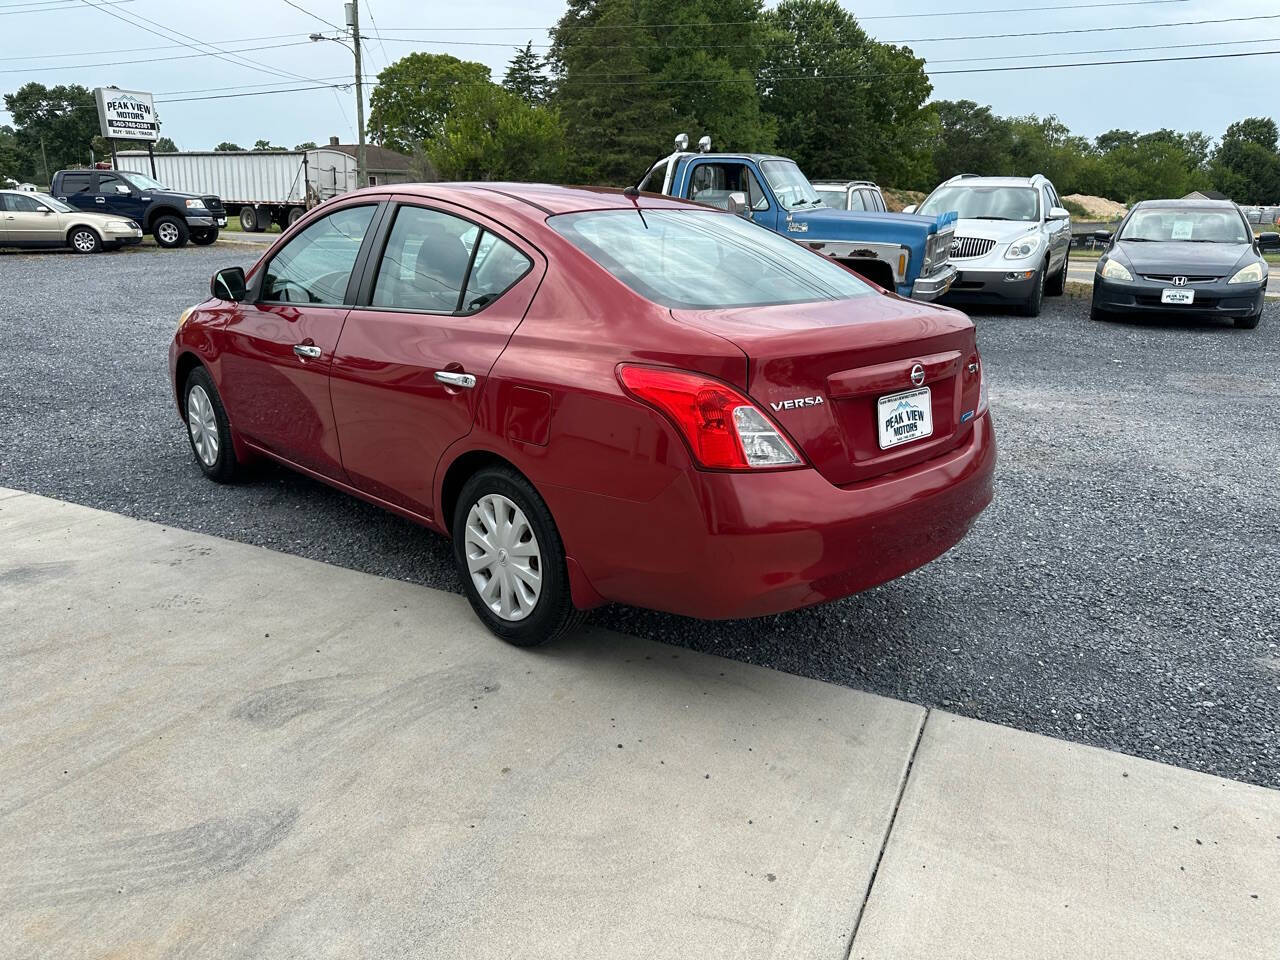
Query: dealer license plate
point(1178, 296)
point(222, 221)
point(903, 417)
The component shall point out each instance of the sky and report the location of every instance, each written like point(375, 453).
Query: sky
point(60, 41)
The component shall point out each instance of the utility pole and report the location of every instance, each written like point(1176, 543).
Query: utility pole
point(353, 21)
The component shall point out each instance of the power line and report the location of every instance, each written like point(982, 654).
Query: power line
point(368, 8)
point(313, 16)
point(52, 6)
point(120, 63)
point(163, 46)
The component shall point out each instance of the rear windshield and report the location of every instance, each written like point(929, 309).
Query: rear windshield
point(1170, 223)
point(694, 260)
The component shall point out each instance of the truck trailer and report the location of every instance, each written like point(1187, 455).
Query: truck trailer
point(260, 187)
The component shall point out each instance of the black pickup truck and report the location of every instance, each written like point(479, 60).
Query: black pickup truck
point(172, 218)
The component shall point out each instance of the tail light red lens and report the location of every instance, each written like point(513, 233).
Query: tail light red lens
point(724, 430)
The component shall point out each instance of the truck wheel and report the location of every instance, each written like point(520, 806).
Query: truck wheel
point(295, 214)
point(84, 240)
point(202, 238)
point(170, 232)
point(249, 220)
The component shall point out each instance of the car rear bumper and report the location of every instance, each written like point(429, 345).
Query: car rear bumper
point(934, 286)
point(1211, 299)
point(731, 545)
point(1008, 284)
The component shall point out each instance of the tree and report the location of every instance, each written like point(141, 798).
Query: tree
point(845, 105)
point(415, 95)
point(971, 139)
point(309, 145)
point(525, 77)
point(10, 156)
point(493, 134)
point(57, 123)
point(1246, 166)
point(264, 146)
point(165, 145)
point(228, 147)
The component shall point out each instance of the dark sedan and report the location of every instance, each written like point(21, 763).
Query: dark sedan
point(1187, 257)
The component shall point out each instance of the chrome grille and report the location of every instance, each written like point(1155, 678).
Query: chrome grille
point(964, 247)
point(1168, 278)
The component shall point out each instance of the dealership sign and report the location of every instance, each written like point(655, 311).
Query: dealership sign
point(126, 114)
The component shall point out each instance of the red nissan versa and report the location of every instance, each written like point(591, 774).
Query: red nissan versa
point(600, 398)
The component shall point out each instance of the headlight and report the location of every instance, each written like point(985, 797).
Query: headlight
point(1250, 274)
point(186, 315)
point(120, 226)
point(1021, 249)
point(1115, 270)
point(195, 204)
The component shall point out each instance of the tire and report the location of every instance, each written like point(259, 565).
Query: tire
point(208, 418)
point(170, 232)
point(249, 221)
point(84, 240)
point(502, 493)
point(295, 214)
point(1031, 306)
point(205, 237)
point(1058, 285)
point(1096, 314)
point(1249, 323)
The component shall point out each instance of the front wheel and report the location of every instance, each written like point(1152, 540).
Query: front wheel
point(1031, 306)
point(84, 240)
point(203, 238)
point(1058, 285)
point(511, 560)
point(1249, 323)
point(170, 232)
point(208, 429)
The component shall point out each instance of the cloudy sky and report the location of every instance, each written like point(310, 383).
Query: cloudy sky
point(65, 41)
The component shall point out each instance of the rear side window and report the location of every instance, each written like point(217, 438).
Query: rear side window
point(75, 183)
point(693, 260)
point(497, 267)
point(315, 266)
point(424, 265)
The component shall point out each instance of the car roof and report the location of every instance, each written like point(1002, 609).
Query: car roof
point(546, 198)
point(1184, 204)
point(993, 182)
point(844, 184)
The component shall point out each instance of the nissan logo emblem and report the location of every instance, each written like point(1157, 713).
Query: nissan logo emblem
point(917, 375)
point(1179, 281)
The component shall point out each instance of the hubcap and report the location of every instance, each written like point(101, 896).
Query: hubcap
point(168, 233)
point(503, 557)
point(203, 425)
point(83, 241)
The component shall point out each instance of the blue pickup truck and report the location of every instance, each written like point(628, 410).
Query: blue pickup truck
point(902, 252)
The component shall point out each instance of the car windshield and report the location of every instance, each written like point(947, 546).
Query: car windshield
point(143, 182)
point(834, 199)
point(694, 260)
point(972, 202)
point(790, 186)
point(1194, 226)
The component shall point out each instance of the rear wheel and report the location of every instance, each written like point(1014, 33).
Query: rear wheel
point(208, 429)
point(295, 214)
point(202, 238)
point(1031, 306)
point(511, 560)
point(84, 240)
point(170, 232)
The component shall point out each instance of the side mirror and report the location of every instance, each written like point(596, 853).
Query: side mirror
point(229, 284)
point(910, 208)
point(1268, 240)
point(45, 211)
point(1059, 213)
point(738, 205)
point(1102, 235)
point(122, 189)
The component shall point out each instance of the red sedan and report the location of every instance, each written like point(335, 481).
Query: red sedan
point(600, 398)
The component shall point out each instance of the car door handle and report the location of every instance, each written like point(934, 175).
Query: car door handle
point(99, 199)
point(464, 380)
point(307, 351)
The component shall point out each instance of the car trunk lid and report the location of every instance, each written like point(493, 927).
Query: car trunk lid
point(820, 369)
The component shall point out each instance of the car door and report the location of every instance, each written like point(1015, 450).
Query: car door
point(115, 194)
point(28, 222)
point(437, 306)
point(711, 182)
point(76, 189)
point(1059, 230)
point(279, 343)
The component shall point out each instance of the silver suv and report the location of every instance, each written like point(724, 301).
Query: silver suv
point(1012, 242)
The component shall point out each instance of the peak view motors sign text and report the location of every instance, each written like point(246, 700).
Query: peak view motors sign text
point(126, 115)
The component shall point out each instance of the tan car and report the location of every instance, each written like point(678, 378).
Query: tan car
point(38, 220)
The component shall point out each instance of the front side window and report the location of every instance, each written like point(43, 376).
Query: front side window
point(425, 261)
point(107, 184)
point(688, 259)
point(835, 199)
point(790, 186)
point(857, 200)
point(984, 202)
point(315, 266)
point(17, 203)
point(713, 184)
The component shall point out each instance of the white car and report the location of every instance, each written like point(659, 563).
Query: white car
point(1012, 242)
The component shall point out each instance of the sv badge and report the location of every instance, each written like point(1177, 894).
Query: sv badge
point(799, 402)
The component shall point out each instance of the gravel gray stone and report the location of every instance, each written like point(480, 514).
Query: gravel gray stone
point(1122, 590)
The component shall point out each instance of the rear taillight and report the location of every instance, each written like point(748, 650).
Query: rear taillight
point(724, 430)
point(983, 402)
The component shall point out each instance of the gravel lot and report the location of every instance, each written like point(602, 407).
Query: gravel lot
point(1120, 592)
